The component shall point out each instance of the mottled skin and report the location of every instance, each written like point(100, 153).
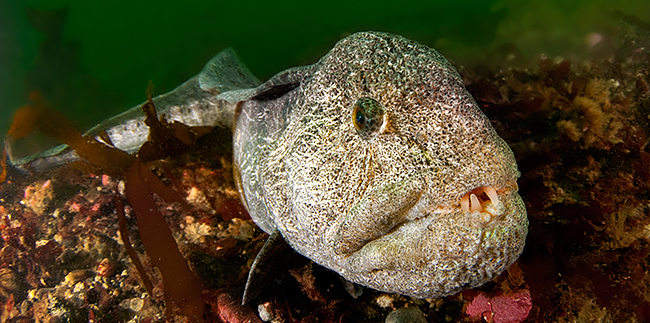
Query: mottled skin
point(380, 205)
point(375, 198)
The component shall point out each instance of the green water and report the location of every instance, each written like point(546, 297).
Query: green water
point(94, 59)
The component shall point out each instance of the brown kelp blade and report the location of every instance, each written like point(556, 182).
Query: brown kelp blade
point(39, 117)
point(181, 287)
point(3, 166)
point(166, 138)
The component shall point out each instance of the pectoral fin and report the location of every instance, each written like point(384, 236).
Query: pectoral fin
point(276, 87)
point(259, 272)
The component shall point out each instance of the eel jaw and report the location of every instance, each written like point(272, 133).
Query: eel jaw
point(442, 249)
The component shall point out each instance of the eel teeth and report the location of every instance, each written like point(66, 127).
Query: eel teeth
point(492, 194)
point(473, 201)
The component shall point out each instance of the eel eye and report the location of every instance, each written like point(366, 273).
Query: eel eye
point(368, 117)
point(359, 117)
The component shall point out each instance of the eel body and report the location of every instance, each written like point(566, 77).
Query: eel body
point(374, 162)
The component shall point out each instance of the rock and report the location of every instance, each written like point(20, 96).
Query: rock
point(406, 315)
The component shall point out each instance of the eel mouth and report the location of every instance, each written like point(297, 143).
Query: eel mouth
point(485, 203)
point(475, 200)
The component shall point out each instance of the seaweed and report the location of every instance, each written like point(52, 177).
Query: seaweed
point(182, 288)
point(3, 166)
point(580, 135)
point(37, 116)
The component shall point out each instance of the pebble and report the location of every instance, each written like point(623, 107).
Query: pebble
point(406, 315)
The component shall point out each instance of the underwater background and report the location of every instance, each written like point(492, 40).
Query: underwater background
point(92, 60)
point(565, 83)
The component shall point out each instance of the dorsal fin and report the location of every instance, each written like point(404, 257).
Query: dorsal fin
point(224, 72)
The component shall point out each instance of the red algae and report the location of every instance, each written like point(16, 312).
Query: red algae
point(512, 308)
